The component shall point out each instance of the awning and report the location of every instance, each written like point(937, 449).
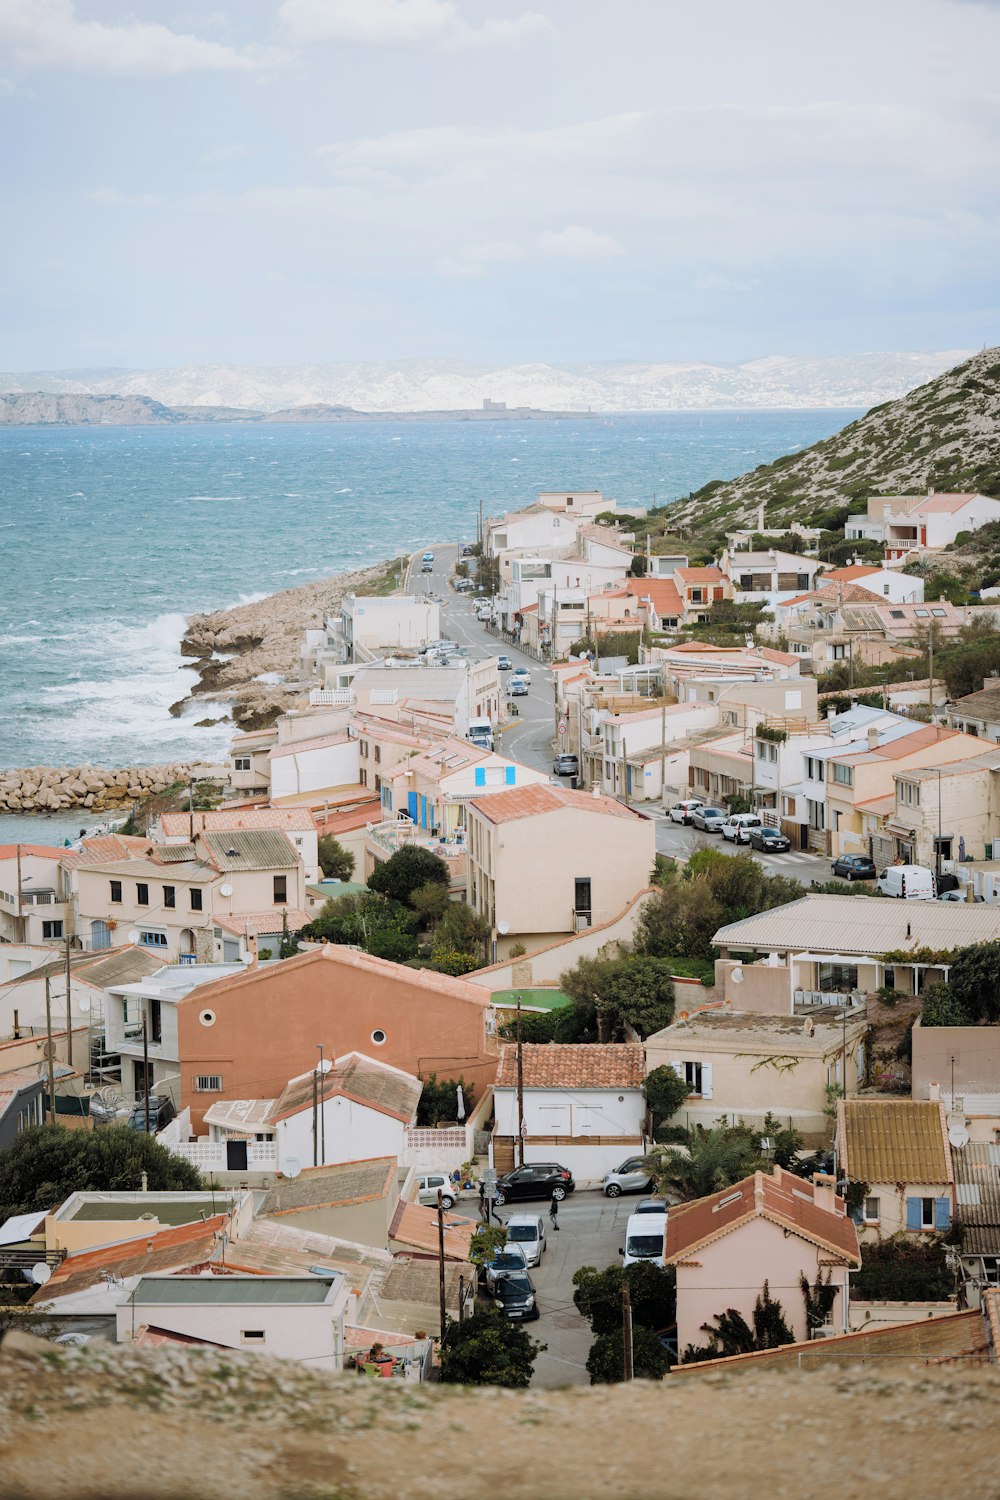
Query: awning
point(20, 1227)
point(900, 828)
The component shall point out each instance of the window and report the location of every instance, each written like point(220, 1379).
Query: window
point(921, 614)
point(843, 775)
point(241, 763)
point(378, 783)
point(208, 1083)
point(155, 1021)
point(116, 892)
point(170, 896)
point(363, 776)
point(196, 899)
point(142, 894)
point(942, 845)
point(252, 1336)
point(581, 896)
point(927, 1213)
point(897, 614)
point(909, 792)
point(281, 887)
point(938, 614)
point(378, 1037)
point(871, 1211)
point(692, 1076)
point(152, 938)
point(52, 929)
point(378, 754)
point(207, 1018)
point(889, 978)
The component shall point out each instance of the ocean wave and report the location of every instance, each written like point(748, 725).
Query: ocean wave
point(344, 492)
point(18, 640)
point(216, 497)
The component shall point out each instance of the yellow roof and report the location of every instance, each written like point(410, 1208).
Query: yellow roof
point(890, 1140)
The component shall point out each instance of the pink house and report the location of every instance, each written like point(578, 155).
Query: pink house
point(775, 1229)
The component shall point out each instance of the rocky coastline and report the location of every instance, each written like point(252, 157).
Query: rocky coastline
point(232, 649)
point(49, 789)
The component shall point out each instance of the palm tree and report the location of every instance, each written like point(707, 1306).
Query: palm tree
point(708, 1160)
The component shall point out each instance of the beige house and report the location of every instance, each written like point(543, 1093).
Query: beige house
point(978, 713)
point(369, 623)
point(776, 1229)
point(900, 1148)
point(745, 1066)
point(544, 862)
point(297, 822)
point(945, 813)
point(33, 895)
point(961, 1066)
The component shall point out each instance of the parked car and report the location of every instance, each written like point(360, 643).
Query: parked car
point(768, 840)
point(907, 883)
point(526, 1232)
point(521, 674)
point(427, 1189)
point(515, 1294)
point(631, 1177)
point(651, 1206)
point(467, 550)
point(681, 812)
point(854, 867)
point(161, 1112)
point(737, 827)
point(518, 687)
point(510, 1258)
point(543, 1179)
point(504, 662)
point(708, 819)
point(566, 765)
point(645, 1237)
point(955, 896)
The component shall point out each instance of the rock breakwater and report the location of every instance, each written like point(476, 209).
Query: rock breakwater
point(47, 789)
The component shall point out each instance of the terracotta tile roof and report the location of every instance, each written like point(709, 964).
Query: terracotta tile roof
point(580, 1065)
point(106, 966)
point(699, 575)
point(367, 1081)
point(275, 1247)
point(943, 504)
point(264, 922)
point(346, 822)
point(661, 591)
point(332, 1187)
point(416, 1281)
point(782, 1199)
point(955, 1337)
point(416, 1227)
point(527, 609)
point(851, 593)
point(290, 819)
point(696, 648)
point(780, 658)
point(38, 851)
point(894, 1140)
point(105, 848)
point(148, 1336)
point(533, 801)
point(852, 572)
point(188, 1247)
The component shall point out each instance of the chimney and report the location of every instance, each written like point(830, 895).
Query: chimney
point(252, 945)
point(808, 1026)
point(825, 1191)
point(872, 737)
point(934, 1093)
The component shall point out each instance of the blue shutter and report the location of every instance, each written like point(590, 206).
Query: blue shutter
point(510, 775)
point(942, 1213)
point(411, 805)
point(480, 776)
point(423, 811)
point(913, 1213)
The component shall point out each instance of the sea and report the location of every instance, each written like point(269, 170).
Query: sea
point(111, 536)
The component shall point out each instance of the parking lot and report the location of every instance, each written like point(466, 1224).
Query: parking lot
point(591, 1231)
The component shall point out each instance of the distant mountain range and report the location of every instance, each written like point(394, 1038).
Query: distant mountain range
point(413, 386)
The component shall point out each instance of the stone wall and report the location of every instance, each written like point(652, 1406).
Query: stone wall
point(55, 789)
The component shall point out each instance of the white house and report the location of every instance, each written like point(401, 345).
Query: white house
point(934, 520)
point(288, 1317)
point(768, 577)
point(396, 622)
point(583, 1106)
point(311, 767)
point(887, 583)
point(297, 823)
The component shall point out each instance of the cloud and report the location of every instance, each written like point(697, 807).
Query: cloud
point(49, 33)
point(223, 154)
point(576, 242)
point(113, 198)
point(473, 261)
point(400, 23)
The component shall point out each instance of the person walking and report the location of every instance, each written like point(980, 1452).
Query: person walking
point(554, 1213)
point(483, 1211)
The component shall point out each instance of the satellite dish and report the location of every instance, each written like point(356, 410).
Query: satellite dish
point(325, 1065)
point(736, 975)
point(40, 1273)
point(225, 890)
point(83, 1004)
point(292, 1167)
point(48, 1049)
point(503, 928)
point(133, 935)
point(958, 1136)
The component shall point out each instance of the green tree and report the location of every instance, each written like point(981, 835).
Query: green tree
point(940, 1006)
point(665, 1092)
point(635, 991)
point(487, 1240)
point(606, 1360)
point(462, 928)
point(709, 1159)
point(488, 1349)
point(450, 961)
point(336, 862)
point(901, 1269)
point(818, 1298)
point(733, 1335)
point(405, 871)
point(439, 1100)
point(430, 901)
point(652, 1290)
point(975, 981)
point(368, 921)
point(45, 1163)
point(680, 920)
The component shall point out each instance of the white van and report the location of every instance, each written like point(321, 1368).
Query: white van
point(907, 883)
point(480, 731)
point(738, 825)
point(645, 1237)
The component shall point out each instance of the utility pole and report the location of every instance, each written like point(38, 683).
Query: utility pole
point(145, 1067)
point(69, 1013)
point(520, 1087)
point(50, 1051)
point(315, 1122)
point(191, 809)
point(461, 1300)
point(937, 850)
point(663, 748)
point(627, 1331)
point(322, 1101)
point(442, 1297)
point(930, 673)
point(20, 916)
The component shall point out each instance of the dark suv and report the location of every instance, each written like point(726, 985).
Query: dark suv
point(161, 1112)
point(544, 1179)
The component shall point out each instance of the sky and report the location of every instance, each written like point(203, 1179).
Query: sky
point(286, 181)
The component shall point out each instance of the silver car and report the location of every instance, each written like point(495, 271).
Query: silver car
point(631, 1177)
point(428, 1184)
point(708, 819)
point(526, 1232)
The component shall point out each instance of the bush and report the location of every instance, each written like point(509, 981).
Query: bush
point(488, 1349)
point(665, 1092)
point(439, 1101)
point(940, 1007)
point(45, 1163)
point(336, 862)
point(652, 1291)
point(901, 1269)
point(405, 871)
point(606, 1360)
point(366, 921)
point(448, 961)
point(619, 993)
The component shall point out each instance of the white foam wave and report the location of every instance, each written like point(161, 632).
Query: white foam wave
point(18, 640)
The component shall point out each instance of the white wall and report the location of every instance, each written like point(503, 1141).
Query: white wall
point(314, 770)
point(573, 1112)
point(353, 1133)
point(313, 1332)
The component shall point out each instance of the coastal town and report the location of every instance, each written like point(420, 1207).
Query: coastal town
point(606, 938)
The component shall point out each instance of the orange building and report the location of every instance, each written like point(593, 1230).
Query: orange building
point(244, 1036)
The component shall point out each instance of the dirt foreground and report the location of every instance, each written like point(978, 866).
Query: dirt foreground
point(182, 1424)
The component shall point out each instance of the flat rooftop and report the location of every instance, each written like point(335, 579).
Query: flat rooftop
point(232, 1291)
point(174, 1209)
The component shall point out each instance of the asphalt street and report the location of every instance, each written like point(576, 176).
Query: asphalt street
point(531, 738)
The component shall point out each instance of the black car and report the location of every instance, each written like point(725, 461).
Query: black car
point(544, 1179)
point(768, 840)
point(515, 1293)
point(161, 1112)
point(854, 867)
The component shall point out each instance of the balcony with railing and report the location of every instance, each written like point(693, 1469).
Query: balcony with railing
point(385, 839)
